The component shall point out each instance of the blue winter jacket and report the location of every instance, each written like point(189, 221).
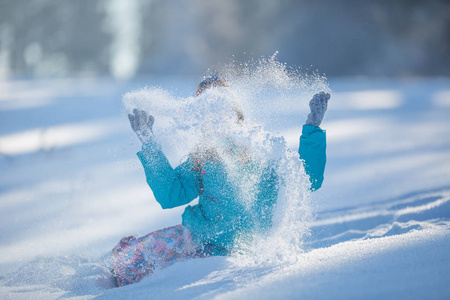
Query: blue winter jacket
point(220, 218)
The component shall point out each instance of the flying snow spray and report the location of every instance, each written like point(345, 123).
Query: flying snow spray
point(260, 90)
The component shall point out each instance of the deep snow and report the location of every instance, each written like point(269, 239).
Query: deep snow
point(71, 187)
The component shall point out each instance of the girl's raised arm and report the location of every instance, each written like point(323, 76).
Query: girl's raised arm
point(313, 143)
point(171, 187)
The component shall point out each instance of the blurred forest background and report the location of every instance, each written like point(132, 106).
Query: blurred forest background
point(126, 39)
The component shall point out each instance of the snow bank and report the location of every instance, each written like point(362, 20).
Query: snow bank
point(382, 216)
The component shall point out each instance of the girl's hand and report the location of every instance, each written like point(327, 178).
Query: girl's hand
point(318, 106)
point(142, 124)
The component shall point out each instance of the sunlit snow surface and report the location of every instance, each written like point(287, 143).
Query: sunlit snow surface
point(71, 187)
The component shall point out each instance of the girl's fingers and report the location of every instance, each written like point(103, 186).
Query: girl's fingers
point(144, 117)
point(140, 118)
point(151, 120)
point(131, 118)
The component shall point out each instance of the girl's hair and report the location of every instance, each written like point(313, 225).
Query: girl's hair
point(206, 152)
point(239, 114)
point(213, 80)
point(202, 153)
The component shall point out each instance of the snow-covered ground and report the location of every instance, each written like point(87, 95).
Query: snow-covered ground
point(71, 187)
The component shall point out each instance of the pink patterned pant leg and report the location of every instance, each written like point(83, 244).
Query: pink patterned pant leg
point(136, 257)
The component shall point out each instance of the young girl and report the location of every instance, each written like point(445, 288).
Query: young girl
point(212, 226)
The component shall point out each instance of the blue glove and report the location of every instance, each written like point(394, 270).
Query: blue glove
point(142, 124)
point(318, 106)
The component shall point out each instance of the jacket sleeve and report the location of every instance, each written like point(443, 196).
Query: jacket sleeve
point(312, 151)
point(171, 187)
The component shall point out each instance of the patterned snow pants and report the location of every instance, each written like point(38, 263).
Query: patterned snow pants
point(136, 257)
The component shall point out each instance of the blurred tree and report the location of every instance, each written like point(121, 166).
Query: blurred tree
point(77, 38)
point(55, 38)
